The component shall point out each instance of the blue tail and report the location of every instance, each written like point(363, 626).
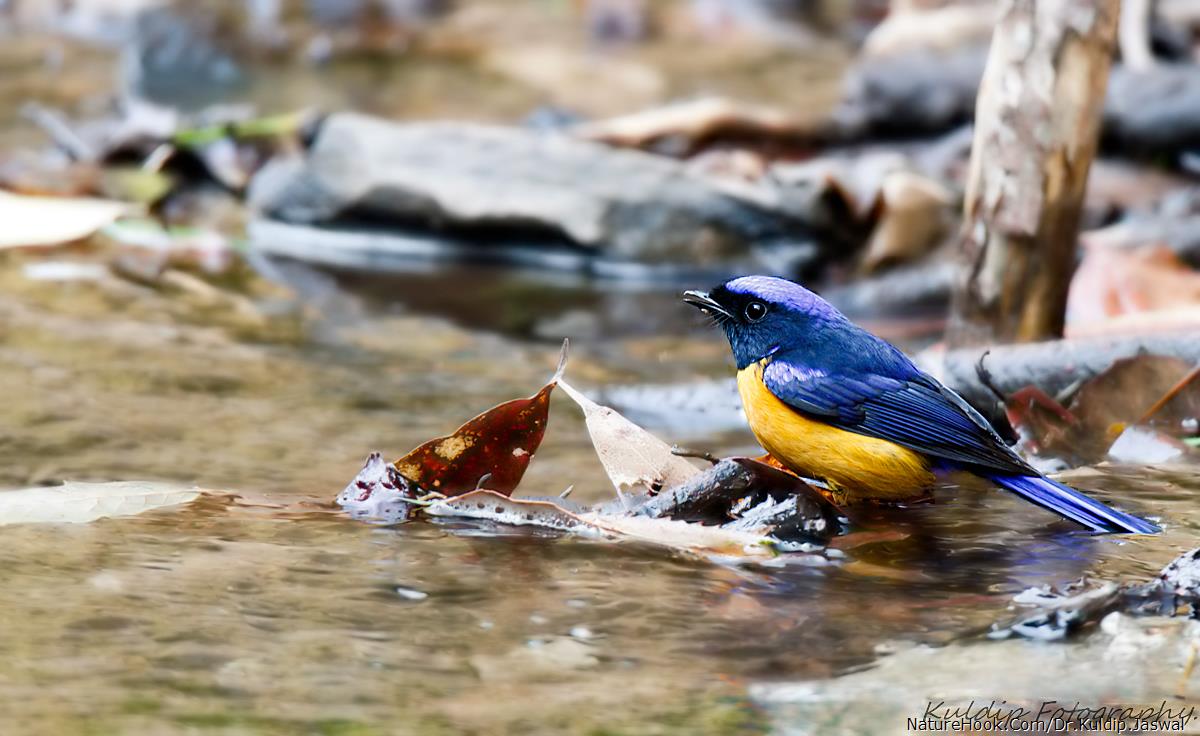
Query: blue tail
point(1073, 505)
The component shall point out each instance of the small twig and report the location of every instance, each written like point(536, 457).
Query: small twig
point(158, 158)
point(624, 500)
point(567, 492)
point(700, 454)
point(60, 131)
point(1171, 393)
point(985, 378)
point(1069, 391)
point(479, 485)
point(1188, 667)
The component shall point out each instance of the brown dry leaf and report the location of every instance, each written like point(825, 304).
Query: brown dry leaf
point(1124, 393)
point(495, 446)
point(634, 459)
point(1041, 421)
point(1107, 406)
point(1131, 289)
point(694, 121)
point(915, 217)
point(856, 181)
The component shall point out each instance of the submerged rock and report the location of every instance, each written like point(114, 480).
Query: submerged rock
point(488, 187)
point(1004, 686)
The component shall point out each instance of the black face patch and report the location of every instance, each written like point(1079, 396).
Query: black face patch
point(736, 304)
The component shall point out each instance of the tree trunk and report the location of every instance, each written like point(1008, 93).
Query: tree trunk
point(1037, 121)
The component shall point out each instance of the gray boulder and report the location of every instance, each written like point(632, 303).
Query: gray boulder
point(492, 186)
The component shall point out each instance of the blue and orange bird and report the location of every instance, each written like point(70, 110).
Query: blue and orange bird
point(831, 401)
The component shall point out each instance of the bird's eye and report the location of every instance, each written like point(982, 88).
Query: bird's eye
point(755, 311)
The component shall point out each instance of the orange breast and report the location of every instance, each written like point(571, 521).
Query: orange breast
point(860, 467)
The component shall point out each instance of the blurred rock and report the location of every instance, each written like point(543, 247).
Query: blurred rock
point(925, 91)
point(963, 677)
point(179, 57)
point(619, 21)
point(1173, 222)
point(784, 22)
point(1153, 111)
point(484, 185)
point(910, 94)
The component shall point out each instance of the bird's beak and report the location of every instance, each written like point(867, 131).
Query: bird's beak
point(705, 303)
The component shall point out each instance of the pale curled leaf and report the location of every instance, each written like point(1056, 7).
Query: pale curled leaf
point(684, 536)
point(493, 506)
point(33, 221)
point(633, 458)
point(696, 538)
point(78, 503)
point(1145, 446)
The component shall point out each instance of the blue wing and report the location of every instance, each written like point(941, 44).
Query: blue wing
point(899, 403)
point(914, 411)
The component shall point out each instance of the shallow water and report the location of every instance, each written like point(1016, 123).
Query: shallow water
point(265, 611)
point(231, 616)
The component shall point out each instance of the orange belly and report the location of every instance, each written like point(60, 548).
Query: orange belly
point(858, 467)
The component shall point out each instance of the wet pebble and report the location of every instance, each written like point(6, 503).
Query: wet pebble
point(411, 594)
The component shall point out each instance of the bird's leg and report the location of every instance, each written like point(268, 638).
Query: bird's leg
point(700, 454)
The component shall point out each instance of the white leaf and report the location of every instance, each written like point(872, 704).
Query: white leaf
point(30, 221)
point(685, 536)
point(78, 503)
point(1143, 445)
point(633, 458)
point(695, 538)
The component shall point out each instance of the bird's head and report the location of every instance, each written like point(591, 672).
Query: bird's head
point(763, 314)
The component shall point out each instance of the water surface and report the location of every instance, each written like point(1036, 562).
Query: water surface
point(231, 616)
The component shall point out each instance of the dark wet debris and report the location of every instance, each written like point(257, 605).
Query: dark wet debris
point(1061, 613)
point(457, 181)
point(744, 494)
